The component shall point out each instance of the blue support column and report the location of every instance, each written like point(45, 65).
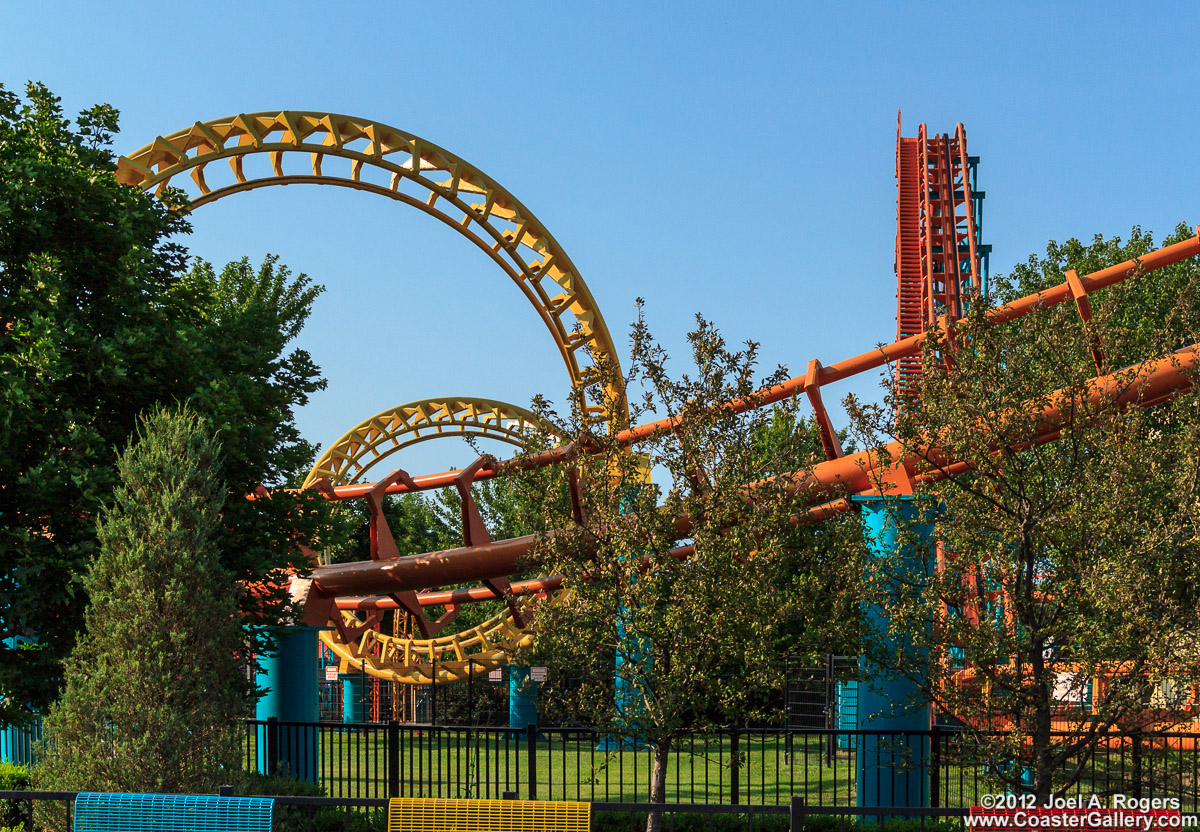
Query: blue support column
point(847, 712)
point(354, 690)
point(17, 742)
point(289, 676)
point(634, 662)
point(892, 769)
point(522, 699)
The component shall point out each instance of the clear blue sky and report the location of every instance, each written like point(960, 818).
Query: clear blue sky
point(733, 159)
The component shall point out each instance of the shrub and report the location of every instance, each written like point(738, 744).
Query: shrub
point(13, 812)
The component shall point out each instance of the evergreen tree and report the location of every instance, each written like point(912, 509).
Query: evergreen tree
point(156, 681)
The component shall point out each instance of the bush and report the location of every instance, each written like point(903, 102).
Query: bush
point(13, 812)
point(691, 822)
point(275, 785)
point(310, 819)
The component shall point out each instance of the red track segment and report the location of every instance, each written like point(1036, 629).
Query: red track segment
point(937, 256)
point(867, 361)
point(910, 295)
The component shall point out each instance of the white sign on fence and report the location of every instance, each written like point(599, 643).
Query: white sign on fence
point(331, 671)
point(537, 674)
point(496, 675)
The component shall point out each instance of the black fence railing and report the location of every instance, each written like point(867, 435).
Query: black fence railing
point(41, 810)
point(750, 767)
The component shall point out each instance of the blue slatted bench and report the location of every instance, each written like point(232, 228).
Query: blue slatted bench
point(103, 812)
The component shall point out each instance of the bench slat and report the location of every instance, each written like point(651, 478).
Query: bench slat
point(109, 812)
point(431, 814)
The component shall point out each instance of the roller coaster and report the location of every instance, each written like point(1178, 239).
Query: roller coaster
point(940, 260)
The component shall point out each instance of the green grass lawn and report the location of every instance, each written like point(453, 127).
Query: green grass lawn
point(354, 764)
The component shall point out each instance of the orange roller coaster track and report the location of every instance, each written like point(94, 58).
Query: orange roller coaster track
point(1152, 383)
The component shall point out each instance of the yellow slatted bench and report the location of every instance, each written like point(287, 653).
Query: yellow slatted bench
point(434, 814)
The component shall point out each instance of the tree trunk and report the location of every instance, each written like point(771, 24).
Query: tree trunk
point(658, 783)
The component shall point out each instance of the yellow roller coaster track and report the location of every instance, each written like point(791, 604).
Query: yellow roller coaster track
point(360, 645)
point(390, 162)
point(348, 459)
point(414, 661)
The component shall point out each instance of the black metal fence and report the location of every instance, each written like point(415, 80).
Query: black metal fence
point(39, 810)
point(752, 767)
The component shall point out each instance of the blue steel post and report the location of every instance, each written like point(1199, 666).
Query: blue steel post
point(17, 742)
point(522, 699)
point(289, 676)
point(892, 769)
point(354, 689)
point(634, 662)
point(847, 711)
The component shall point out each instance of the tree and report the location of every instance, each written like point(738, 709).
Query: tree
point(157, 681)
point(1066, 569)
point(99, 320)
point(693, 633)
point(819, 613)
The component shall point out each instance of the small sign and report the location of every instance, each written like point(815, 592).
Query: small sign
point(331, 672)
point(496, 675)
point(537, 674)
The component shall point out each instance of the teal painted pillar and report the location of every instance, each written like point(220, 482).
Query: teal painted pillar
point(847, 712)
point(17, 742)
point(354, 690)
point(633, 663)
point(289, 676)
point(892, 768)
point(522, 699)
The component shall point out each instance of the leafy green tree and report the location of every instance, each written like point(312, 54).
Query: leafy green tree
point(819, 605)
point(157, 680)
point(1067, 568)
point(247, 383)
point(100, 318)
point(694, 634)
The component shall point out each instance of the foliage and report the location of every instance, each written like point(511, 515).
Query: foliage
point(695, 632)
point(100, 320)
point(415, 526)
point(1065, 562)
point(248, 386)
point(819, 607)
point(13, 779)
point(275, 785)
point(776, 822)
point(306, 819)
point(157, 680)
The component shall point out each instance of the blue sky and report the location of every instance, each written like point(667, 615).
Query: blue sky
point(730, 159)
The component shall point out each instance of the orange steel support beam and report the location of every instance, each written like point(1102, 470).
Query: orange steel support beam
point(1154, 382)
point(839, 371)
point(453, 596)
